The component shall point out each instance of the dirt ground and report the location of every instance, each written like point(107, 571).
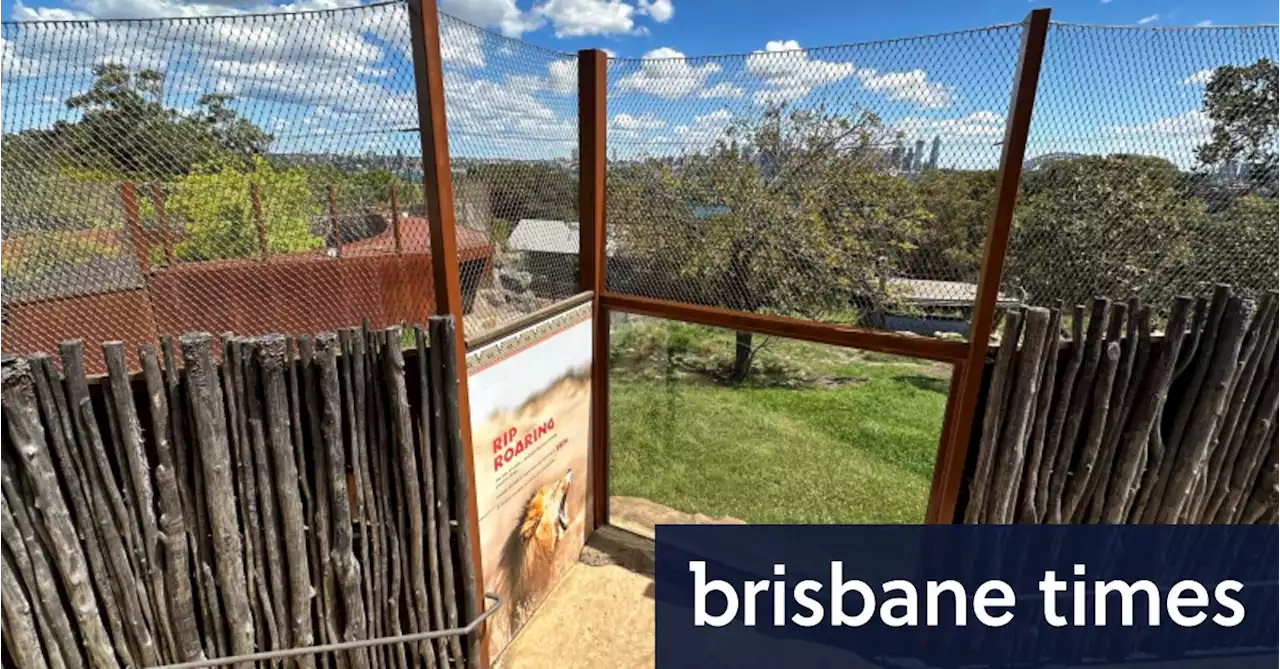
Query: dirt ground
point(601, 613)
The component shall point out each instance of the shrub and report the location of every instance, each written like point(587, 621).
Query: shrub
point(216, 208)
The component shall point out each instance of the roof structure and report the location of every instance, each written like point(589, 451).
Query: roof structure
point(539, 235)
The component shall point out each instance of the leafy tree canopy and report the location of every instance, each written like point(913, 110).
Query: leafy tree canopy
point(215, 204)
point(125, 129)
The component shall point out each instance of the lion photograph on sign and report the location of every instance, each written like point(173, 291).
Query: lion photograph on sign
point(530, 407)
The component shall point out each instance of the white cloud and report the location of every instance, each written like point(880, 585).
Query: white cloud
point(645, 121)
point(789, 74)
point(502, 14)
point(1204, 24)
point(480, 108)
point(562, 77)
point(1191, 123)
point(909, 86)
point(577, 18)
point(666, 73)
point(979, 124)
point(660, 10)
point(1199, 78)
point(705, 128)
point(1148, 19)
point(722, 89)
point(460, 45)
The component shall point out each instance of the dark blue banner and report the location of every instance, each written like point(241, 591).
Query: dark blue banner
point(966, 596)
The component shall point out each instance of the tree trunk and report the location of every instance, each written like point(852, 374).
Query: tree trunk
point(742, 355)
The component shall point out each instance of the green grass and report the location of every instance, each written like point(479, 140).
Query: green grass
point(857, 447)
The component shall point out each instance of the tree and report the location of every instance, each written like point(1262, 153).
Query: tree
point(215, 206)
point(791, 213)
point(125, 130)
point(1241, 101)
point(1238, 245)
point(1116, 225)
point(962, 204)
point(529, 190)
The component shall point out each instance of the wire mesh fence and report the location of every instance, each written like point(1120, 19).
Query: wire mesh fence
point(262, 173)
point(1151, 166)
point(513, 123)
point(838, 184)
point(204, 174)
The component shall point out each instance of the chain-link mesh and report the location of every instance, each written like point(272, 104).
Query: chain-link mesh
point(513, 137)
point(1151, 166)
point(843, 184)
point(170, 175)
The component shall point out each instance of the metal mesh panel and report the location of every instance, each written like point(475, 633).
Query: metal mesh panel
point(170, 175)
point(1151, 165)
point(513, 120)
point(844, 184)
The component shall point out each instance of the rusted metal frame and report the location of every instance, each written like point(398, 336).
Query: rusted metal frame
point(593, 66)
point(162, 222)
point(133, 224)
point(949, 469)
point(424, 26)
point(255, 197)
point(823, 333)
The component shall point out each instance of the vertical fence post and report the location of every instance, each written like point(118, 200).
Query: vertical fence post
point(593, 66)
point(133, 224)
point(260, 225)
point(424, 26)
point(333, 221)
point(162, 222)
point(395, 219)
point(949, 469)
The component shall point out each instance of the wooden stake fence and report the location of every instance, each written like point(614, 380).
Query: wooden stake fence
point(1126, 427)
point(237, 498)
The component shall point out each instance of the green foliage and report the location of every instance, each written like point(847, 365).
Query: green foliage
point(1115, 226)
point(1238, 245)
point(1241, 102)
point(218, 213)
point(125, 129)
point(529, 190)
point(950, 244)
point(501, 232)
point(792, 201)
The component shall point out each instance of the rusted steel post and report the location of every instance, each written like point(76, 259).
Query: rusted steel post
point(949, 468)
point(395, 219)
point(424, 26)
point(593, 65)
point(162, 222)
point(333, 221)
point(258, 223)
point(133, 224)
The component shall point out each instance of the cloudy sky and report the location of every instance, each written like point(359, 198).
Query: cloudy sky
point(341, 81)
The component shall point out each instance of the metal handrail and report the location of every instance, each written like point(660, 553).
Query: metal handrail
point(345, 645)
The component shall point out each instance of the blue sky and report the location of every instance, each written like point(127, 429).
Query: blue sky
point(703, 27)
point(342, 81)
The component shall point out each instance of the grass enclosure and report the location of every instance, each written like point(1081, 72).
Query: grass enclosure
point(817, 434)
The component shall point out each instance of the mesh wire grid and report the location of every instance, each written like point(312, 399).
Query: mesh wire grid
point(513, 122)
point(259, 148)
point(844, 184)
point(1150, 166)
